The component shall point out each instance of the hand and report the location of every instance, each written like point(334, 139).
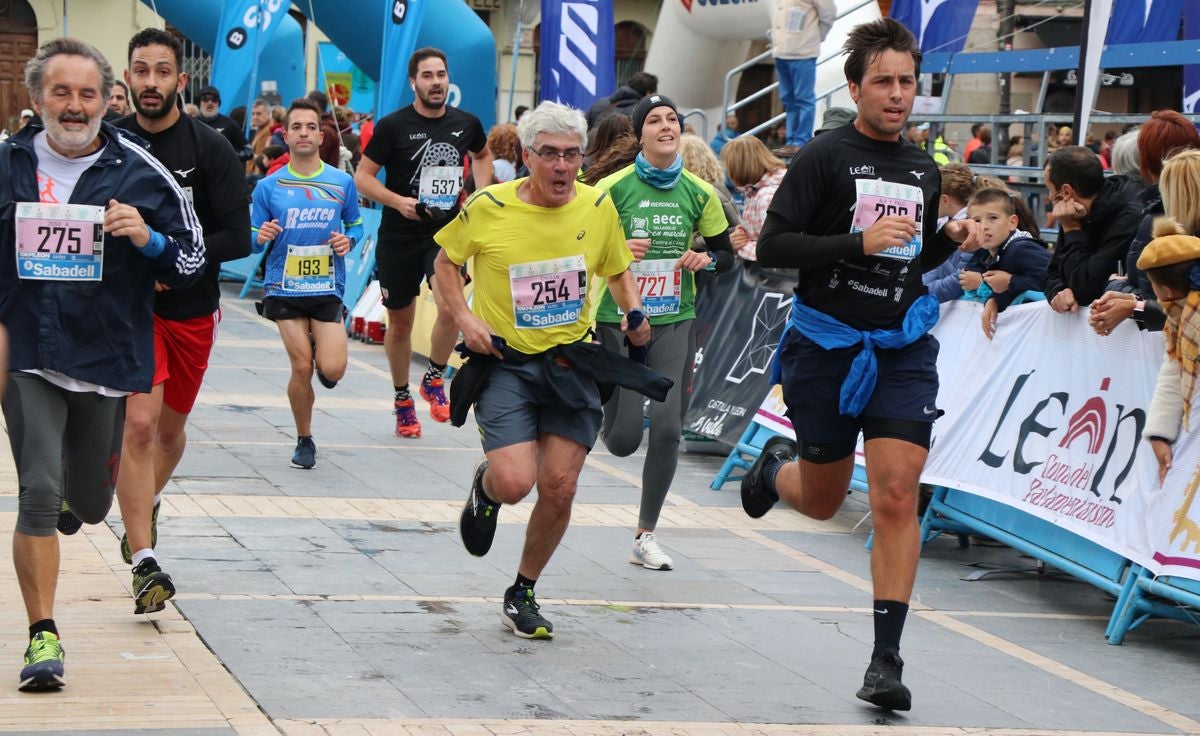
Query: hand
point(268, 231)
point(969, 280)
point(1162, 453)
point(891, 231)
point(739, 238)
point(999, 281)
point(340, 243)
point(963, 232)
point(160, 286)
point(1069, 214)
point(1064, 301)
point(638, 247)
point(477, 335)
point(641, 335)
point(990, 312)
point(407, 206)
point(694, 260)
point(1112, 308)
point(124, 221)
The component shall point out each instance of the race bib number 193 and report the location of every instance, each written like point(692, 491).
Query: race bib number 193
point(60, 242)
point(877, 198)
point(548, 293)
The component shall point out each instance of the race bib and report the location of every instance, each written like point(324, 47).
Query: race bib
point(659, 282)
point(877, 198)
point(60, 242)
point(440, 186)
point(548, 293)
point(308, 269)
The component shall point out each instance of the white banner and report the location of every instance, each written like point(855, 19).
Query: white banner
point(1047, 418)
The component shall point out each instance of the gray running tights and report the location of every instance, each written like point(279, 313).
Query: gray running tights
point(671, 352)
point(64, 443)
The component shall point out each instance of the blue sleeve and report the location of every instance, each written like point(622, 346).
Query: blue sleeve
point(943, 281)
point(352, 222)
point(1027, 262)
point(260, 212)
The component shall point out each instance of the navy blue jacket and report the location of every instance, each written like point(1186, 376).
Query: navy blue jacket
point(1022, 256)
point(102, 331)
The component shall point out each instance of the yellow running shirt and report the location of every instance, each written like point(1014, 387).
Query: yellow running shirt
point(533, 264)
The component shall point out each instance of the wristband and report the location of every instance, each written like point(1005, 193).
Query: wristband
point(156, 245)
point(712, 262)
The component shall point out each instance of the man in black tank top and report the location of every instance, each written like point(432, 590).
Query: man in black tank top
point(857, 215)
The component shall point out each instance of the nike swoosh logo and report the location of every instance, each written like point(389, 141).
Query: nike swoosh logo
point(928, 411)
point(882, 613)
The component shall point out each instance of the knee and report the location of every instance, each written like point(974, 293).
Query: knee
point(94, 508)
point(557, 490)
point(894, 500)
point(622, 444)
point(334, 372)
point(139, 431)
point(37, 519)
point(664, 436)
point(171, 436)
point(302, 369)
point(825, 507)
point(400, 322)
point(508, 484)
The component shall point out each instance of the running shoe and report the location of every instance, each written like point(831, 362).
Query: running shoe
point(68, 522)
point(126, 553)
point(757, 499)
point(433, 390)
point(477, 525)
point(881, 684)
point(43, 668)
point(407, 424)
point(152, 587)
point(520, 613)
point(305, 455)
point(648, 554)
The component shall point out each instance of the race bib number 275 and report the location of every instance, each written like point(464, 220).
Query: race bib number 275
point(60, 242)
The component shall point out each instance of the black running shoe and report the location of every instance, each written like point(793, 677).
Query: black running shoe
point(305, 455)
point(757, 499)
point(477, 525)
point(881, 684)
point(68, 522)
point(152, 587)
point(520, 613)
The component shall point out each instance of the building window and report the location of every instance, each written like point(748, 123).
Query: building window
point(632, 43)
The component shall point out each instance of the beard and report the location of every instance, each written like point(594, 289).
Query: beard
point(428, 102)
point(169, 100)
point(72, 140)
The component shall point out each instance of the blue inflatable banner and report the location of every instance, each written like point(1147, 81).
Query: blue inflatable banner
point(578, 51)
point(245, 28)
point(939, 25)
point(1144, 21)
point(401, 24)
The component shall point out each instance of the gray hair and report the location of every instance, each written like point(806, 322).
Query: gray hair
point(1125, 158)
point(553, 119)
point(35, 68)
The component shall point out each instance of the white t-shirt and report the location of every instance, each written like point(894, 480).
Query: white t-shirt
point(57, 176)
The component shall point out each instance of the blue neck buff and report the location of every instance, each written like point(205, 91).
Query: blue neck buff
point(659, 178)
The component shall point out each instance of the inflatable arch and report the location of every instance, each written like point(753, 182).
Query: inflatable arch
point(282, 59)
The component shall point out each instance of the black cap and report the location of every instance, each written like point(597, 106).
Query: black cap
point(210, 90)
point(642, 109)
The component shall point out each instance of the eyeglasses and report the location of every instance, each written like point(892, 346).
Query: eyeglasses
point(551, 156)
point(209, 98)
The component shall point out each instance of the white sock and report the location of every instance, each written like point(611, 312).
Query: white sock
point(142, 555)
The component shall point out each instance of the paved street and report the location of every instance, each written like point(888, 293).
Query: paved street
point(340, 601)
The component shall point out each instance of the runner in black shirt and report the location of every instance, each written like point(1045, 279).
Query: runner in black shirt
point(421, 147)
point(857, 214)
point(185, 320)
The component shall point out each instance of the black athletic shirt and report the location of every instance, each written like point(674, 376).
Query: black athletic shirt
point(818, 198)
point(227, 127)
point(404, 142)
point(205, 167)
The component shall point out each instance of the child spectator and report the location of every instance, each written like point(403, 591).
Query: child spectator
point(757, 172)
point(1172, 263)
point(506, 151)
point(1010, 260)
point(958, 184)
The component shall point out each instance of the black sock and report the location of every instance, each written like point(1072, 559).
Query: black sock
point(46, 624)
point(521, 583)
point(304, 437)
point(889, 625)
point(435, 370)
point(402, 393)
